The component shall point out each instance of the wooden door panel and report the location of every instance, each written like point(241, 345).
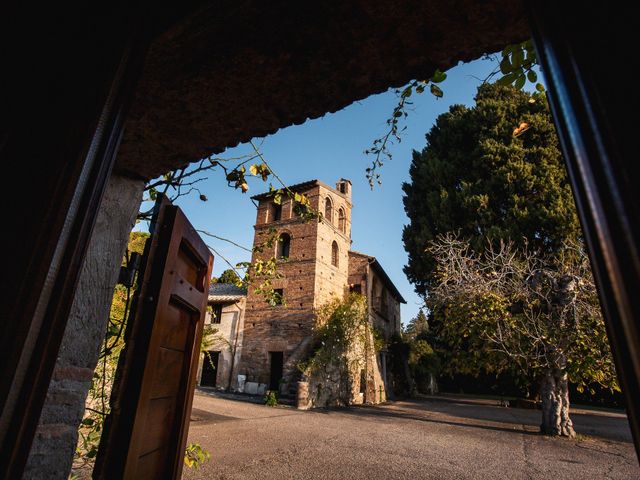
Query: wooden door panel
point(153, 402)
point(187, 267)
point(166, 380)
point(160, 414)
point(169, 331)
point(152, 465)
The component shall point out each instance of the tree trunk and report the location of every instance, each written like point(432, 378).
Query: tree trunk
point(555, 404)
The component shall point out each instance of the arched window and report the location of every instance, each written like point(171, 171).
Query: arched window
point(328, 210)
point(342, 221)
point(334, 254)
point(284, 243)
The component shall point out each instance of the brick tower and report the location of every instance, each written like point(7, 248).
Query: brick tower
point(313, 257)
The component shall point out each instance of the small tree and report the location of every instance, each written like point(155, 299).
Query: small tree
point(539, 315)
point(422, 360)
point(228, 276)
point(417, 326)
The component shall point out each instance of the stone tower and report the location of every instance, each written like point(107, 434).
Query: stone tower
point(313, 257)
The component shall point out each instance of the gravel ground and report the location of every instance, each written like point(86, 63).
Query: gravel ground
point(440, 438)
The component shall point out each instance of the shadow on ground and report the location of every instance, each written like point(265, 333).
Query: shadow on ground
point(611, 426)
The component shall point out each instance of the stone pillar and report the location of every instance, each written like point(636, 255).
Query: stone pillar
point(302, 398)
point(57, 434)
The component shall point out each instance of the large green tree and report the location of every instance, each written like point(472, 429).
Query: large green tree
point(493, 171)
point(492, 176)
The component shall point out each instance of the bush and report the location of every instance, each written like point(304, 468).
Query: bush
point(271, 398)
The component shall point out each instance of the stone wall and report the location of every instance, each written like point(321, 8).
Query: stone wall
point(57, 434)
point(384, 316)
point(345, 370)
point(228, 341)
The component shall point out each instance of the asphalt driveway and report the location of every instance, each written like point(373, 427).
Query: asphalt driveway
point(440, 438)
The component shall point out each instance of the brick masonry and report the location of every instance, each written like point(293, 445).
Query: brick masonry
point(311, 276)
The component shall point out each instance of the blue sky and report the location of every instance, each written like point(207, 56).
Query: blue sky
point(328, 148)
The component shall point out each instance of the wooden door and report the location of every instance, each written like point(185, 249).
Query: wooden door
point(145, 435)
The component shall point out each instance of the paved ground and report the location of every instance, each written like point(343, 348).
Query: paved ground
point(433, 439)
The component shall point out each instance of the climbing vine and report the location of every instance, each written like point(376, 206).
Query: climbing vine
point(97, 403)
point(344, 342)
point(517, 66)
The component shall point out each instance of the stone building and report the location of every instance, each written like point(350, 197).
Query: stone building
point(317, 265)
point(224, 326)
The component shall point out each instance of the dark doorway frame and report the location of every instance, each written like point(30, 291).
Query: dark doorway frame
point(80, 142)
point(598, 139)
point(209, 374)
point(276, 370)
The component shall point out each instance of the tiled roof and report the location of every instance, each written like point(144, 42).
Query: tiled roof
point(298, 187)
point(301, 187)
point(226, 292)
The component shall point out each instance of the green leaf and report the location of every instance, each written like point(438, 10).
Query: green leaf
point(520, 81)
point(438, 77)
point(505, 66)
point(507, 79)
point(517, 58)
point(532, 76)
point(203, 197)
point(508, 50)
point(407, 92)
point(436, 91)
point(540, 87)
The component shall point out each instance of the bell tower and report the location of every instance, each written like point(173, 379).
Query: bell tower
point(313, 259)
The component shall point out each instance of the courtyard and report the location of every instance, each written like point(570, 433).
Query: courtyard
point(438, 438)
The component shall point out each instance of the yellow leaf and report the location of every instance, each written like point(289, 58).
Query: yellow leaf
point(523, 127)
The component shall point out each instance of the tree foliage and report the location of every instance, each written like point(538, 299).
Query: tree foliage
point(228, 276)
point(510, 309)
point(495, 248)
point(417, 326)
point(525, 311)
point(491, 171)
point(423, 361)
